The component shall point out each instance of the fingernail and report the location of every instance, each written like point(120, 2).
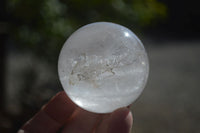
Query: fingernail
point(121, 121)
point(21, 131)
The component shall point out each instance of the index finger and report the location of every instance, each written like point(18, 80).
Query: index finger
point(52, 116)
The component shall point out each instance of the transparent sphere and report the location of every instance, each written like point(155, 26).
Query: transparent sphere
point(102, 67)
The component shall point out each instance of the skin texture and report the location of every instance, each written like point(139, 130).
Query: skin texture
point(61, 115)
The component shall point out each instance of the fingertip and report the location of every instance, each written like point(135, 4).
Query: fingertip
point(21, 131)
point(82, 121)
point(40, 123)
point(52, 116)
point(60, 107)
point(121, 121)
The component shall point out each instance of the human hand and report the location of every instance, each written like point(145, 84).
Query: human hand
point(62, 115)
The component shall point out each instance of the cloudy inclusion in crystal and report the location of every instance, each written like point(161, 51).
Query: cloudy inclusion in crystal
point(102, 67)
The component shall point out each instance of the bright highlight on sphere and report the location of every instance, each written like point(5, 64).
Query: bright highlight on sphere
point(103, 66)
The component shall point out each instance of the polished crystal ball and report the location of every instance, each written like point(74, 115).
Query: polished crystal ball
point(103, 66)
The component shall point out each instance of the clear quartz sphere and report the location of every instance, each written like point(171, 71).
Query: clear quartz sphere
point(103, 66)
